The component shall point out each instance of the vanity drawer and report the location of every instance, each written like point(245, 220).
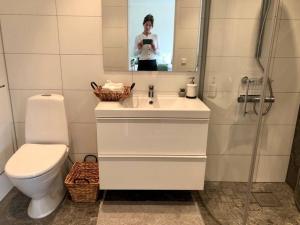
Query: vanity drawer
point(152, 173)
point(144, 136)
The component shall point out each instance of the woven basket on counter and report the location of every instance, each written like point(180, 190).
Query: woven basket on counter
point(108, 95)
point(82, 181)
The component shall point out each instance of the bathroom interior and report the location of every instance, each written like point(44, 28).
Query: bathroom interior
point(210, 136)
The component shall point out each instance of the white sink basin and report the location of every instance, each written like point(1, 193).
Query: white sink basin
point(164, 106)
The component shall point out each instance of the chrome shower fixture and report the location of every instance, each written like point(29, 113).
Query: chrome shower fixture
point(255, 98)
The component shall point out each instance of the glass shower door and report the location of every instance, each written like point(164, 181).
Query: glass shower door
point(272, 198)
point(239, 49)
point(7, 137)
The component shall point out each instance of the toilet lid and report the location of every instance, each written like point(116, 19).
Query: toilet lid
point(32, 160)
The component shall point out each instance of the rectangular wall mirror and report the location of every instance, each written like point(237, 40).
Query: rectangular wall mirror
point(156, 35)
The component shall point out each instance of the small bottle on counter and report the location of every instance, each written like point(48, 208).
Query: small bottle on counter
point(181, 92)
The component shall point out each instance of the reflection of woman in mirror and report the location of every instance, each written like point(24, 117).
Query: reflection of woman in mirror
point(146, 46)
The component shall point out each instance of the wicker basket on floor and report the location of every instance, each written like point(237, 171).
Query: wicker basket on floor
point(82, 181)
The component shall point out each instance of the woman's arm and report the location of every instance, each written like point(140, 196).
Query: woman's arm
point(137, 46)
point(154, 45)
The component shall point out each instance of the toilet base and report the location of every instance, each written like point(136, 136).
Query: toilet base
point(42, 207)
point(39, 208)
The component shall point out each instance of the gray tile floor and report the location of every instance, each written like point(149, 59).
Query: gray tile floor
point(220, 203)
point(225, 201)
point(13, 211)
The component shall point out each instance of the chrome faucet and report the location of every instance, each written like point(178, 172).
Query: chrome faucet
point(151, 91)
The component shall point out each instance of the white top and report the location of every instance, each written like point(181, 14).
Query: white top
point(146, 52)
point(33, 160)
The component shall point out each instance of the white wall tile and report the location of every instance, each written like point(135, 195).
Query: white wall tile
point(114, 2)
point(286, 75)
point(115, 37)
point(228, 72)
point(231, 139)
point(188, 18)
point(288, 43)
point(80, 106)
point(187, 38)
point(272, 168)
point(227, 168)
point(79, 7)
point(19, 100)
point(189, 3)
point(115, 58)
point(31, 71)
point(290, 9)
point(36, 7)
point(30, 34)
point(284, 110)
point(83, 138)
point(235, 9)
point(79, 70)
point(80, 35)
point(232, 37)
point(114, 17)
point(20, 133)
point(276, 140)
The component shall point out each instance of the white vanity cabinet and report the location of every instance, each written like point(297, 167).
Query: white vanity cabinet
point(140, 148)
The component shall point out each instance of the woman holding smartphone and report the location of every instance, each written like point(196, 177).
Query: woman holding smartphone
point(146, 46)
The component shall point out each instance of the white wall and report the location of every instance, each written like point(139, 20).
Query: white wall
point(231, 47)
point(164, 17)
point(56, 46)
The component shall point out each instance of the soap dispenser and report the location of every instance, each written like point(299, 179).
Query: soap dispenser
point(212, 89)
point(191, 89)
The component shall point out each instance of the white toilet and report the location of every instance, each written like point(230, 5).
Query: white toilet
point(36, 169)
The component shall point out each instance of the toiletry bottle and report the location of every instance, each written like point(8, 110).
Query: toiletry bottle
point(212, 89)
point(191, 89)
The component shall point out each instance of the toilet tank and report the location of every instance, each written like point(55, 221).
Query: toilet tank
point(46, 121)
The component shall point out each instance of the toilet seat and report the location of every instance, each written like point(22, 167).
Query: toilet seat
point(33, 160)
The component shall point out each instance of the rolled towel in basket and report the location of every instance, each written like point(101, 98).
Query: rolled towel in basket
point(117, 87)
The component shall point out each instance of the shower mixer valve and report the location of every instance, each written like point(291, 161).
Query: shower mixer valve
point(255, 98)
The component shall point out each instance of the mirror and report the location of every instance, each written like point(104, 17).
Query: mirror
point(266, 21)
point(156, 35)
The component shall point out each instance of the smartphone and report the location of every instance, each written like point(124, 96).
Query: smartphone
point(147, 41)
